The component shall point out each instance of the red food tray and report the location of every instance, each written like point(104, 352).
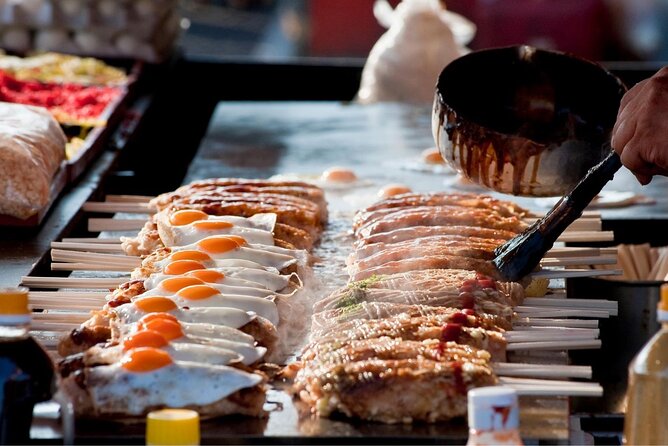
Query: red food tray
point(97, 138)
point(94, 144)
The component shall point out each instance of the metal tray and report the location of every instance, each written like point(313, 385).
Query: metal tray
point(379, 143)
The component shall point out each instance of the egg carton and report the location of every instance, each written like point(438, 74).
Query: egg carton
point(98, 41)
point(84, 14)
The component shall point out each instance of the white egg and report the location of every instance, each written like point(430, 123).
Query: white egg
point(145, 8)
point(51, 39)
point(127, 44)
point(70, 7)
point(109, 8)
point(113, 389)
point(89, 42)
point(16, 39)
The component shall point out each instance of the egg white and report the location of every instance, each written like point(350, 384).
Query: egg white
point(257, 229)
point(230, 317)
point(114, 389)
point(227, 289)
point(265, 308)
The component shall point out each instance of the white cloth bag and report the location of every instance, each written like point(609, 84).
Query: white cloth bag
point(403, 66)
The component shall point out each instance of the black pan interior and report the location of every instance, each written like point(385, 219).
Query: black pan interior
point(545, 96)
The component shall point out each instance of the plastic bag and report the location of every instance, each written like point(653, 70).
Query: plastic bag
point(32, 147)
point(403, 66)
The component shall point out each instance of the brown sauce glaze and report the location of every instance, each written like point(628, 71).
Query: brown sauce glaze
point(542, 117)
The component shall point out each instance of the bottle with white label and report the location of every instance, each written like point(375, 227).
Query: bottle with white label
point(494, 416)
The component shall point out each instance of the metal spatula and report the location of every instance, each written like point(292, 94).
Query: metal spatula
point(519, 256)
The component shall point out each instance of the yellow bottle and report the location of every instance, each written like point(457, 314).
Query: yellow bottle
point(647, 395)
point(172, 427)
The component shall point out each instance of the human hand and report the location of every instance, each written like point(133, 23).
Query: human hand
point(640, 135)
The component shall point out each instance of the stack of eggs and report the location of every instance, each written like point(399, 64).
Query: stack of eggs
point(139, 29)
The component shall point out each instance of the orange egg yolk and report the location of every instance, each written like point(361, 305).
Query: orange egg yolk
point(173, 284)
point(393, 189)
point(197, 292)
point(161, 315)
point(237, 238)
point(207, 275)
point(212, 225)
point(179, 267)
point(144, 338)
point(187, 216)
point(190, 254)
point(155, 304)
point(432, 156)
point(221, 244)
point(169, 329)
point(339, 175)
point(145, 359)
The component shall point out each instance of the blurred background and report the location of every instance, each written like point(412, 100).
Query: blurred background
point(602, 30)
point(611, 30)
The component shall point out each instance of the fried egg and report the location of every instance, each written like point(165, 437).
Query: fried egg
point(173, 329)
point(333, 179)
point(230, 247)
point(201, 354)
point(172, 285)
point(132, 312)
point(189, 226)
point(180, 333)
point(268, 278)
point(198, 296)
point(147, 378)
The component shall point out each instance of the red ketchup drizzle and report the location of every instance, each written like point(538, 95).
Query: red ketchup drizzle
point(451, 332)
point(459, 318)
point(469, 312)
point(487, 283)
point(460, 386)
point(440, 348)
point(468, 301)
point(470, 283)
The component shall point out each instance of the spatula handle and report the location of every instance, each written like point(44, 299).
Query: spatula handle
point(519, 256)
point(597, 177)
point(570, 208)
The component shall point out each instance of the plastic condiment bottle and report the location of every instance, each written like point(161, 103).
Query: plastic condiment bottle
point(647, 394)
point(172, 427)
point(26, 371)
point(494, 416)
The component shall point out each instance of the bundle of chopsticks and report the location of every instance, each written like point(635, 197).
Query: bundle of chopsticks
point(642, 262)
